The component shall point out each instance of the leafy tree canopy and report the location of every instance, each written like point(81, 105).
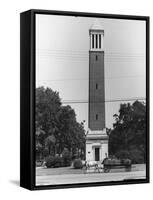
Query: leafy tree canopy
point(56, 125)
point(129, 130)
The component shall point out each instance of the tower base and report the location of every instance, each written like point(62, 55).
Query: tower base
point(96, 145)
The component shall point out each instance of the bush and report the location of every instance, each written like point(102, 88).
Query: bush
point(77, 164)
point(66, 157)
point(126, 161)
point(39, 163)
point(52, 161)
point(123, 154)
point(58, 161)
point(135, 155)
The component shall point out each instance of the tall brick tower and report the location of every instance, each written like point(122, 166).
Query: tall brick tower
point(96, 138)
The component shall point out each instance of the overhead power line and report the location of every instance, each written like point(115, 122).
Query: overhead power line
point(85, 52)
point(87, 79)
point(85, 59)
point(109, 100)
point(87, 56)
point(62, 54)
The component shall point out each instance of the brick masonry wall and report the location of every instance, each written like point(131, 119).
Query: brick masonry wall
point(96, 91)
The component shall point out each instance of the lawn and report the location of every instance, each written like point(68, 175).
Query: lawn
point(58, 171)
point(40, 171)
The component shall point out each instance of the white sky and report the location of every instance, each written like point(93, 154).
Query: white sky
point(62, 60)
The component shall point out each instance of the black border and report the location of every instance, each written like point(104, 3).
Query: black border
point(27, 98)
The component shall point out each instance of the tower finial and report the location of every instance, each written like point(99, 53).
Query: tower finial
point(97, 25)
point(96, 36)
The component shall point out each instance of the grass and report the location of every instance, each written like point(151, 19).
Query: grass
point(70, 170)
point(58, 171)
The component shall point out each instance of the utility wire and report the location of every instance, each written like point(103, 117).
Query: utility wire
point(87, 56)
point(111, 100)
point(86, 52)
point(87, 79)
point(85, 59)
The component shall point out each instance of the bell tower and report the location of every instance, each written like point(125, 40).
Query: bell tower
point(96, 138)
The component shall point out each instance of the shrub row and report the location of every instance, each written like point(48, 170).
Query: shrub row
point(77, 164)
point(54, 161)
point(136, 156)
point(57, 161)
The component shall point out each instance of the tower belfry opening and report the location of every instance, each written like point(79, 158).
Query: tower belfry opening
point(96, 139)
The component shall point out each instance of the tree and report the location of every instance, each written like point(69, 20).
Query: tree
point(70, 134)
point(39, 137)
point(48, 104)
point(50, 144)
point(57, 123)
point(129, 131)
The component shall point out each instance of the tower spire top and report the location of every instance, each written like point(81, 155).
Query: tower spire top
point(96, 33)
point(97, 25)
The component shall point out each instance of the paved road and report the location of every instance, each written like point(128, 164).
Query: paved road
point(89, 177)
